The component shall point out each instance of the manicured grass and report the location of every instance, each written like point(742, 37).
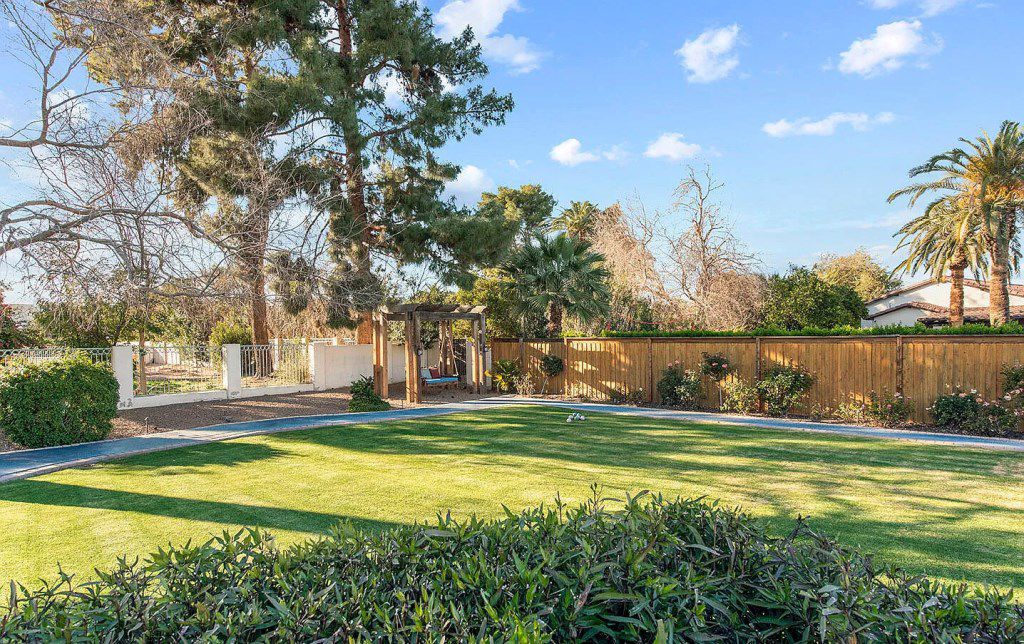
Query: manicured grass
point(952, 513)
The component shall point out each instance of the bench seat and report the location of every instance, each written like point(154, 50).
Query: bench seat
point(440, 381)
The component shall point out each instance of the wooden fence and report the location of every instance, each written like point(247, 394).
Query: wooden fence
point(847, 369)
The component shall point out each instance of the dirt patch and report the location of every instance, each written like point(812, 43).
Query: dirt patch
point(135, 422)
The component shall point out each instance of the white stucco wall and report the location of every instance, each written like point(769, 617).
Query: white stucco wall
point(906, 317)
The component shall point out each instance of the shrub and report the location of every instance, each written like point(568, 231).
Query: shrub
point(852, 412)
point(1013, 377)
point(956, 410)
point(58, 402)
point(966, 411)
point(551, 366)
point(888, 410)
point(634, 397)
point(230, 332)
point(1010, 328)
point(523, 384)
point(679, 387)
point(504, 374)
point(994, 419)
point(364, 398)
point(782, 386)
point(739, 397)
point(655, 571)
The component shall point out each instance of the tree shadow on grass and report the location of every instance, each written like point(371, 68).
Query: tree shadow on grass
point(189, 459)
point(230, 514)
point(610, 440)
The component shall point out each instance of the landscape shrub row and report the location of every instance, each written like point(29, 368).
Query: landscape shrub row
point(656, 570)
point(1012, 328)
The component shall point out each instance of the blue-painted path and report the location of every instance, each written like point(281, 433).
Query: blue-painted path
point(25, 463)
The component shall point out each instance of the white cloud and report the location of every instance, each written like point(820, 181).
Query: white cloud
point(570, 152)
point(928, 8)
point(616, 153)
point(485, 16)
point(826, 126)
point(470, 182)
point(888, 49)
point(710, 56)
point(515, 51)
point(671, 146)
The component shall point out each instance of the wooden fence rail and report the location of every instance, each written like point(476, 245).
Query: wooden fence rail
point(847, 369)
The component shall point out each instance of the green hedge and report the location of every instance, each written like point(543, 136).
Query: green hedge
point(655, 571)
point(57, 402)
point(1012, 328)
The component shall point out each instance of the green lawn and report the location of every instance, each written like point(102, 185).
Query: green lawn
point(952, 513)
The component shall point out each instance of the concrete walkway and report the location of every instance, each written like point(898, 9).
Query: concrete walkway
point(31, 462)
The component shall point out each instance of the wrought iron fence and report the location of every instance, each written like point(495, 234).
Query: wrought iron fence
point(98, 355)
point(176, 369)
point(273, 365)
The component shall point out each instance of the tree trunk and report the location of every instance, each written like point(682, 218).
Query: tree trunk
point(998, 287)
point(554, 315)
point(956, 292)
point(258, 308)
point(355, 186)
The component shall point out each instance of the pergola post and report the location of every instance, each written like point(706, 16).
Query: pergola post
point(380, 355)
point(413, 387)
point(482, 353)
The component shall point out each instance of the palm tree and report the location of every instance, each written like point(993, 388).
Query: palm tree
point(577, 220)
point(560, 275)
point(946, 240)
point(990, 172)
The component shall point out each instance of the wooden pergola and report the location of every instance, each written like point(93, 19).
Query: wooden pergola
point(413, 315)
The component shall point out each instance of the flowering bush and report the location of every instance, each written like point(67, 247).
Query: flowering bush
point(1013, 378)
point(716, 367)
point(679, 387)
point(782, 387)
point(956, 410)
point(968, 412)
point(889, 410)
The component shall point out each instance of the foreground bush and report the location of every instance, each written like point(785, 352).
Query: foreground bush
point(656, 571)
point(57, 402)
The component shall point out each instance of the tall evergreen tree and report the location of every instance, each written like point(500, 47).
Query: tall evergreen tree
point(344, 103)
point(393, 93)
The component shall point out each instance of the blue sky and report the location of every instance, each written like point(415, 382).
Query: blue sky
point(810, 111)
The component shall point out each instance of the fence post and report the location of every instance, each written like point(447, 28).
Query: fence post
point(758, 370)
point(231, 369)
point(121, 362)
point(899, 364)
point(650, 370)
point(318, 365)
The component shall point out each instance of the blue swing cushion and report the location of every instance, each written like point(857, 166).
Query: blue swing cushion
point(427, 379)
